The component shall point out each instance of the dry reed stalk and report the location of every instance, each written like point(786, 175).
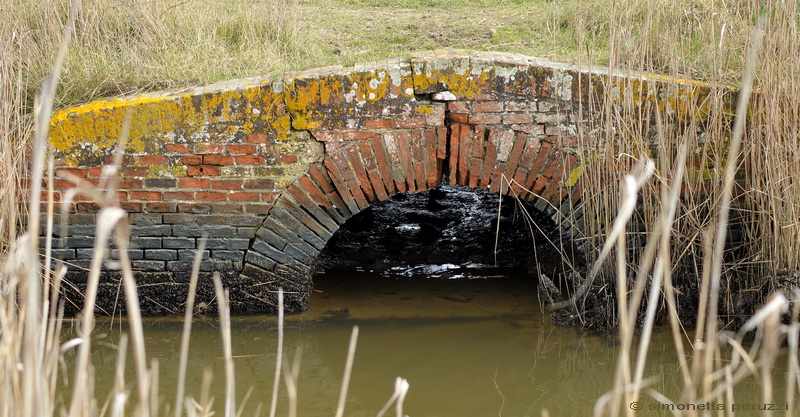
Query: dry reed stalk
point(187, 326)
point(400, 390)
point(348, 369)
point(291, 374)
point(225, 333)
point(279, 358)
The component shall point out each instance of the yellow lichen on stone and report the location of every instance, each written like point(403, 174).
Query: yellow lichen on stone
point(574, 176)
point(166, 171)
point(425, 109)
point(94, 129)
point(87, 132)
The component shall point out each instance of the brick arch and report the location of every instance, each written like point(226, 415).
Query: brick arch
point(270, 167)
point(362, 167)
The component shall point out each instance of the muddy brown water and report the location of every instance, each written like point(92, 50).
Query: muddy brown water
point(467, 346)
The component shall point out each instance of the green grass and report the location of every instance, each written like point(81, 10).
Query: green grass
point(144, 45)
point(126, 47)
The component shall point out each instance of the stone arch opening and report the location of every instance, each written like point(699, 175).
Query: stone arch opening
point(445, 232)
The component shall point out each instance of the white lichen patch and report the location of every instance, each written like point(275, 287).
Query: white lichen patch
point(561, 83)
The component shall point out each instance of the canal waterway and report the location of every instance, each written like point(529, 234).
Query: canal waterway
point(415, 275)
point(469, 345)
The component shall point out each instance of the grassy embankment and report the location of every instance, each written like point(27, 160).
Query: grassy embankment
point(147, 45)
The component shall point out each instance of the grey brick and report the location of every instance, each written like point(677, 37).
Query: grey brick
point(312, 238)
point(73, 230)
point(80, 242)
point(181, 218)
point(216, 244)
point(218, 219)
point(83, 253)
point(148, 265)
point(230, 255)
point(265, 249)
point(285, 218)
point(246, 220)
point(72, 218)
point(276, 226)
point(178, 266)
point(146, 218)
point(161, 254)
point(246, 232)
point(307, 218)
point(56, 243)
point(133, 254)
point(238, 244)
point(178, 243)
point(324, 218)
point(271, 237)
point(259, 260)
point(541, 204)
point(300, 252)
point(146, 242)
point(63, 254)
point(230, 244)
point(221, 231)
point(235, 243)
point(150, 230)
point(198, 231)
point(188, 255)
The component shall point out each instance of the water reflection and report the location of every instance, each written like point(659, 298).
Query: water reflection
point(467, 347)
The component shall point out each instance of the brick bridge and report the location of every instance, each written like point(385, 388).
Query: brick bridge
point(270, 168)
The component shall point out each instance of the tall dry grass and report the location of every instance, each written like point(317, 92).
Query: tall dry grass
point(15, 127)
point(709, 41)
point(693, 220)
point(121, 47)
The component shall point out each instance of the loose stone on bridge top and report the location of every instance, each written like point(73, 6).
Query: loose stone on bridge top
point(444, 96)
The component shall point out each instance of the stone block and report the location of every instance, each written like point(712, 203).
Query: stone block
point(212, 231)
point(188, 255)
point(271, 237)
point(146, 242)
point(146, 218)
point(230, 255)
point(161, 254)
point(63, 254)
point(133, 254)
point(276, 254)
point(178, 243)
point(259, 260)
point(150, 230)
